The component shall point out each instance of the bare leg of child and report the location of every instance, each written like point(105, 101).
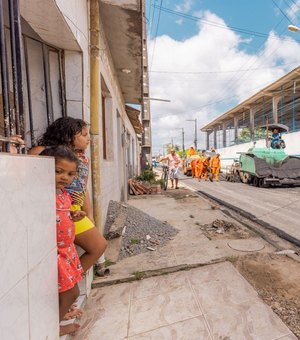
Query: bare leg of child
point(65, 302)
point(94, 245)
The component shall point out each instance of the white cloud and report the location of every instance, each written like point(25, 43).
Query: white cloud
point(179, 21)
point(185, 6)
point(293, 10)
point(212, 49)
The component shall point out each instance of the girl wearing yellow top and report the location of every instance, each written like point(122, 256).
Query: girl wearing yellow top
point(74, 133)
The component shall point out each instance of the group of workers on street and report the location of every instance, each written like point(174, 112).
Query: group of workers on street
point(205, 166)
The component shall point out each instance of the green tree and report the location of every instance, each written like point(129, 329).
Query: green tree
point(244, 135)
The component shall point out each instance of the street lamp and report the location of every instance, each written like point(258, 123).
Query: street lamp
point(293, 28)
point(195, 140)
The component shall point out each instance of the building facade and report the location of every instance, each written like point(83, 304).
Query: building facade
point(237, 129)
point(62, 58)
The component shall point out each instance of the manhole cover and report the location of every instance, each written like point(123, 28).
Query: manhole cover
point(246, 245)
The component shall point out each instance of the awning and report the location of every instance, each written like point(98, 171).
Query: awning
point(133, 115)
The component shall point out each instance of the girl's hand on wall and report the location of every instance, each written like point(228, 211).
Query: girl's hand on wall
point(19, 143)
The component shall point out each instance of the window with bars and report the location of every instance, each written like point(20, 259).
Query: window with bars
point(32, 92)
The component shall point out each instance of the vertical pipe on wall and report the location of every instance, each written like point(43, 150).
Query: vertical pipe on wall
point(32, 134)
point(4, 75)
point(14, 122)
point(19, 58)
point(95, 105)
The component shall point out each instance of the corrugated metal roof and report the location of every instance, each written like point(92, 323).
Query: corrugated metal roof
point(270, 90)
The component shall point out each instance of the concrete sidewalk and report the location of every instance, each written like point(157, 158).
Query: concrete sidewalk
point(211, 301)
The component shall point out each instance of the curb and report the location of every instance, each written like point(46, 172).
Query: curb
point(139, 275)
point(252, 218)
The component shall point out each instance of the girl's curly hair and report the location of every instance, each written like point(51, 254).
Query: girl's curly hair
point(62, 132)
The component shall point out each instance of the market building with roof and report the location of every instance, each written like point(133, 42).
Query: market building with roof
point(237, 129)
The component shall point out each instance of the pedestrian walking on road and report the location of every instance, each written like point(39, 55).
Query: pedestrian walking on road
point(173, 162)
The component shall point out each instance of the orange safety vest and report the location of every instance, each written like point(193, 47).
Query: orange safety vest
point(192, 152)
point(215, 162)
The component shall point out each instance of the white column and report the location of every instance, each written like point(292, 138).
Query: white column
point(252, 114)
point(224, 126)
point(275, 101)
point(236, 128)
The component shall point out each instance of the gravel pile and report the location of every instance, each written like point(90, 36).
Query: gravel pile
point(143, 232)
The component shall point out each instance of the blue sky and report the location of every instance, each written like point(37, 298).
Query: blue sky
point(218, 44)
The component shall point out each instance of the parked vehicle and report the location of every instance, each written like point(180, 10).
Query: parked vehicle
point(186, 168)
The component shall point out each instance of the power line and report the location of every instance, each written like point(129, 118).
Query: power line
point(193, 18)
point(216, 72)
point(215, 24)
point(282, 12)
point(295, 3)
point(155, 37)
point(152, 17)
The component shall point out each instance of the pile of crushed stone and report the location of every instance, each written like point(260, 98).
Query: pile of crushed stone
point(142, 233)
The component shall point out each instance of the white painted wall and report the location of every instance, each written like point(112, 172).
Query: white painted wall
point(28, 255)
point(230, 153)
point(113, 172)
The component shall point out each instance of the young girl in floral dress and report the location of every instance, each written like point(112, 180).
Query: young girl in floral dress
point(69, 267)
point(74, 133)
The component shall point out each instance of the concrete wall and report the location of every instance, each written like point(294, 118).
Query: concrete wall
point(114, 170)
point(230, 153)
point(28, 255)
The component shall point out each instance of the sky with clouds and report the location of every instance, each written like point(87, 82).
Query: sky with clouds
point(206, 56)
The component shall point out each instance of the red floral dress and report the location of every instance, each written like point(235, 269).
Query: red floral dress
point(69, 267)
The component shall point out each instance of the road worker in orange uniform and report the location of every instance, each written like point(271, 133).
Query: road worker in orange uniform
point(193, 167)
point(205, 163)
point(215, 166)
point(191, 151)
point(200, 166)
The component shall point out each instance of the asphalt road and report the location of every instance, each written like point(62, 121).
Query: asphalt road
point(278, 207)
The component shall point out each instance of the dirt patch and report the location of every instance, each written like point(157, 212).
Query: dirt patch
point(221, 229)
point(179, 194)
point(276, 278)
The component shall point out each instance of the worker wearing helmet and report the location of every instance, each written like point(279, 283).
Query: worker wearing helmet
point(198, 166)
point(191, 151)
point(215, 166)
point(205, 168)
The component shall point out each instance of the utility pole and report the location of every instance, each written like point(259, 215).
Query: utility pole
point(183, 151)
point(195, 140)
point(182, 135)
